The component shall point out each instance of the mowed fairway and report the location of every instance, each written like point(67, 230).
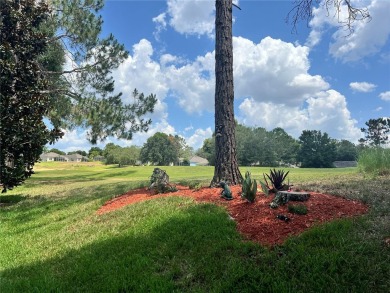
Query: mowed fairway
point(52, 240)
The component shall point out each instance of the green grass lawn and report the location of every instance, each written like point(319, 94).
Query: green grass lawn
point(51, 239)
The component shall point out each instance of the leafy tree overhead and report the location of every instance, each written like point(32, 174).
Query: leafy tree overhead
point(160, 150)
point(82, 94)
point(37, 41)
point(316, 150)
point(226, 164)
point(376, 132)
point(23, 104)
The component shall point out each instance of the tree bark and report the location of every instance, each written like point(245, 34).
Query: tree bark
point(226, 165)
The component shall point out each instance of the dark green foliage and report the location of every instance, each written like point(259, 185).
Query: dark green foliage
point(376, 131)
point(257, 146)
point(208, 150)
point(264, 187)
point(298, 209)
point(277, 178)
point(57, 151)
point(159, 149)
point(24, 102)
point(346, 151)
point(122, 156)
point(316, 150)
point(249, 188)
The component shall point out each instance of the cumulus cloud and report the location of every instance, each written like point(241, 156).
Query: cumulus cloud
point(272, 80)
point(364, 87)
point(368, 37)
point(385, 96)
point(326, 111)
point(196, 140)
point(274, 71)
point(191, 17)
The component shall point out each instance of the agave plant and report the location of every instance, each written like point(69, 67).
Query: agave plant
point(277, 178)
point(249, 188)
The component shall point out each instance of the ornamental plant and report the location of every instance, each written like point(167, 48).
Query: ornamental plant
point(249, 188)
point(277, 178)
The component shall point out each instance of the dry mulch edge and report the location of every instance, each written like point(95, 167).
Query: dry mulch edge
point(257, 221)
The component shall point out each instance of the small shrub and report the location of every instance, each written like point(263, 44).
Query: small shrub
point(249, 188)
point(298, 209)
point(277, 178)
point(195, 185)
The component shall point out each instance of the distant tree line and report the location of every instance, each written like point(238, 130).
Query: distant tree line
point(255, 147)
point(313, 149)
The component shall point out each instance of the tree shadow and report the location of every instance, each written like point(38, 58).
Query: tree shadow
point(171, 256)
point(7, 200)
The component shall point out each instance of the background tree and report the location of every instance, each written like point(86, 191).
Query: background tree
point(207, 150)
point(159, 149)
point(80, 152)
point(57, 151)
point(226, 165)
point(94, 152)
point(346, 151)
point(23, 133)
point(316, 150)
point(183, 150)
point(285, 146)
point(376, 132)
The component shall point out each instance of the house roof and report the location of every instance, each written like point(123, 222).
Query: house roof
point(199, 160)
point(50, 155)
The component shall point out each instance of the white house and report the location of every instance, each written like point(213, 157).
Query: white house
point(198, 161)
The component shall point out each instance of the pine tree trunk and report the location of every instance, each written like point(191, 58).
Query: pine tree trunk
point(226, 165)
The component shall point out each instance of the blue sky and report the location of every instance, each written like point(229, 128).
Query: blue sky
point(319, 78)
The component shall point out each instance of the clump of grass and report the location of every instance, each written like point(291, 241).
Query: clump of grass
point(374, 161)
point(298, 209)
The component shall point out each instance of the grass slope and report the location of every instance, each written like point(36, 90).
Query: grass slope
point(52, 240)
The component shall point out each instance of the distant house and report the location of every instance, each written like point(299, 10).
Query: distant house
point(344, 164)
point(77, 158)
point(198, 161)
point(53, 157)
point(98, 158)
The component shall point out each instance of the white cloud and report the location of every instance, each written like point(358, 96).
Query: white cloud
point(367, 38)
point(385, 96)
point(161, 25)
point(326, 111)
point(196, 140)
point(364, 87)
point(274, 71)
point(191, 17)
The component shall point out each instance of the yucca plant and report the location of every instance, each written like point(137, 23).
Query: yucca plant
point(277, 178)
point(249, 188)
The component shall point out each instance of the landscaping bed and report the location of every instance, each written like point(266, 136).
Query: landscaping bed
point(257, 221)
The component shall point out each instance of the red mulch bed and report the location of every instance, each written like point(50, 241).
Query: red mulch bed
point(257, 221)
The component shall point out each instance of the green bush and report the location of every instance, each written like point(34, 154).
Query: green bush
point(298, 209)
point(374, 161)
point(249, 188)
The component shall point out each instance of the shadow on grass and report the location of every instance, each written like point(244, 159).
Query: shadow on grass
point(199, 250)
point(6, 200)
point(33, 208)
